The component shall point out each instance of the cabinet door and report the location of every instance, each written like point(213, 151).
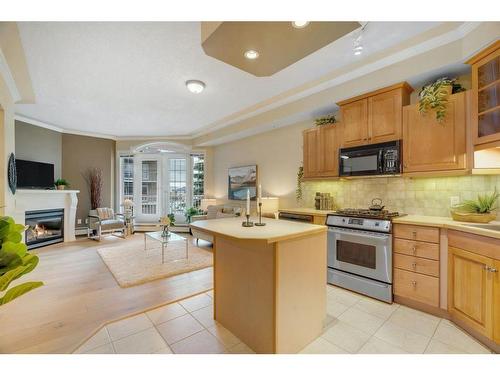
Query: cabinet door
point(355, 123)
point(385, 116)
point(311, 151)
point(496, 302)
point(470, 290)
point(329, 150)
point(432, 146)
point(486, 98)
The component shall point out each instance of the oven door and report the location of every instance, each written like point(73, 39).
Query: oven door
point(361, 162)
point(363, 253)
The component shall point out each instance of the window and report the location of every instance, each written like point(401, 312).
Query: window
point(198, 188)
point(127, 177)
point(178, 185)
point(149, 199)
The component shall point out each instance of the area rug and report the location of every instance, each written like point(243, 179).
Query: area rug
point(131, 265)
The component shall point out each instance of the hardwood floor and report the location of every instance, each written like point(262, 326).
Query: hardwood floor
point(80, 295)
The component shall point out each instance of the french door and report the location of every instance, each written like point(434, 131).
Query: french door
point(164, 186)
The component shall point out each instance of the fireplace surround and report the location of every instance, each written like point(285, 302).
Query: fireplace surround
point(45, 227)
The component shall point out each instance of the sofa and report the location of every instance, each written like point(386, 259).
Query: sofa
point(214, 212)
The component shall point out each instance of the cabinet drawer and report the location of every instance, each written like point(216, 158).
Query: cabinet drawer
point(421, 288)
point(416, 232)
point(416, 248)
point(418, 265)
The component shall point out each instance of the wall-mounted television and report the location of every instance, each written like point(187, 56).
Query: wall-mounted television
point(34, 175)
point(241, 179)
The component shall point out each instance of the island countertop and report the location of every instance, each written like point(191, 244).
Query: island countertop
point(274, 230)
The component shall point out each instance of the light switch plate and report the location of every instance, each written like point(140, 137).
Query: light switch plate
point(454, 201)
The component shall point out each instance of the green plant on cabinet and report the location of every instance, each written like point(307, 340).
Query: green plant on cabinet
point(61, 182)
point(326, 120)
point(434, 96)
point(15, 261)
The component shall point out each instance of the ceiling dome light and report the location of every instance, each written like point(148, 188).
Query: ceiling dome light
point(358, 50)
point(300, 24)
point(251, 54)
point(195, 86)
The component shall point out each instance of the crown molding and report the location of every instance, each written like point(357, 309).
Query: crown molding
point(7, 76)
point(55, 128)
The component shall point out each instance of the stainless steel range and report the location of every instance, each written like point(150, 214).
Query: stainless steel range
point(360, 251)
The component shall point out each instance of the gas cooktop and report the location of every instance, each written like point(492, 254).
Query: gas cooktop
point(367, 213)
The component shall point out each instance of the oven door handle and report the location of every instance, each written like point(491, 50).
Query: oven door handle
point(360, 234)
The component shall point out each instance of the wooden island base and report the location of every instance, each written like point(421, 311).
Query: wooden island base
point(271, 293)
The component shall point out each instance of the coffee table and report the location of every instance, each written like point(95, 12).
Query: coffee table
point(172, 237)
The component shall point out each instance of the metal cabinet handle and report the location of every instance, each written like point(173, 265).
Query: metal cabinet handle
point(414, 233)
point(414, 283)
point(414, 249)
point(405, 165)
point(492, 269)
point(414, 265)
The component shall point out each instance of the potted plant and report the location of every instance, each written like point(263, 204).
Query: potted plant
point(61, 184)
point(298, 190)
point(15, 261)
point(481, 210)
point(326, 120)
point(434, 96)
point(190, 212)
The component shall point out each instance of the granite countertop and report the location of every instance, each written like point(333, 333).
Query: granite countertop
point(274, 230)
point(306, 211)
point(449, 223)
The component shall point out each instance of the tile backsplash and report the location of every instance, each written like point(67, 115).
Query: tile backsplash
point(417, 196)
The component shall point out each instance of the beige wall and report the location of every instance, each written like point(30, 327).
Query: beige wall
point(278, 155)
point(81, 153)
point(39, 144)
point(7, 140)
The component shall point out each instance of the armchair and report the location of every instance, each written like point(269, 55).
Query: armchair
point(105, 221)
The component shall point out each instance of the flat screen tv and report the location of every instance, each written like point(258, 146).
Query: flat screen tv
point(34, 175)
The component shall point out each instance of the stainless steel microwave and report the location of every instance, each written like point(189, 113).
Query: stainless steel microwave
point(378, 159)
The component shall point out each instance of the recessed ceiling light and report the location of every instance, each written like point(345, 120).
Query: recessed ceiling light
point(358, 50)
point(300, 24)
point(251, 54)
point(195, 86)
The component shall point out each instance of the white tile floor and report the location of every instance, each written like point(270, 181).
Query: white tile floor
point(355, 324)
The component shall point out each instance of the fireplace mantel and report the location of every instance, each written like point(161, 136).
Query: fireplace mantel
point(34, 199)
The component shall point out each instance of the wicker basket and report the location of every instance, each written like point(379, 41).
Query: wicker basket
point(473, 217)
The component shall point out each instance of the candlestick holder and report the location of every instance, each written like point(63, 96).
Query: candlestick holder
point(247, 223)
point(260, 223)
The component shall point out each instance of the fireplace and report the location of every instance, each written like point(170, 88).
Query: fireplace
point(45, 227)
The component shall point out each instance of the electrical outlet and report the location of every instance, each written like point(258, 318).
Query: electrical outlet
point(78, 221)
point(86, 221)
point(454, 201)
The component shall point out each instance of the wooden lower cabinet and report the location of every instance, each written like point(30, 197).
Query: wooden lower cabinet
point(470, 289)
point(415, 286)
point(416, 263)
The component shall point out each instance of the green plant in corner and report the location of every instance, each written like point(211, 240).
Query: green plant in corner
point(326, 120)
point(435, 96)
point(14, 260)
point(190, 212)
point(483, 205)
point(298, 190)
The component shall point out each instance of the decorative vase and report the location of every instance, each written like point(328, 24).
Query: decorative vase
point(472, 217)
point(60, 187)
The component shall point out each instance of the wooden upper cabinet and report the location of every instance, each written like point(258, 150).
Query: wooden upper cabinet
point(374, 117)
point(470, 289)
point(311, 152)
point(385, 114)
point(355, 123)
point(329, 150)
point(432, 146)
point(486, 95)
point(321, 149)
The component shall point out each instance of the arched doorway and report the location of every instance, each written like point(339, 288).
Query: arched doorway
point(162, 178)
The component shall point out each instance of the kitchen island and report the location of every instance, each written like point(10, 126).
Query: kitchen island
point(269, 282)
